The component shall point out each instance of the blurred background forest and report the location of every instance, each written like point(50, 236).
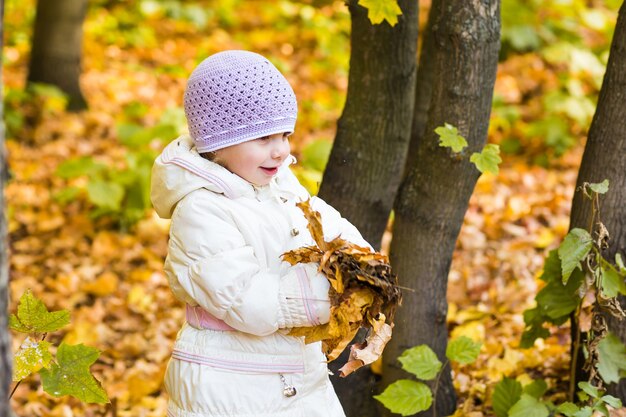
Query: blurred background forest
point(84, 238)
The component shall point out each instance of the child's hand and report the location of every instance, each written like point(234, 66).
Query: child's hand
point(319, 287)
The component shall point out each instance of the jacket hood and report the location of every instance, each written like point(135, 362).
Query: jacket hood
point(180, 169)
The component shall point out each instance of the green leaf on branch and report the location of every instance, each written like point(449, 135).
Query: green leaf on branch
point(421, 361)
point(529, 406)
point(507, 392)
point(574, 249)
point(534, 319)
point(379, 10)
point(589, 389)
point(34, 317)
point(612, 283)
point(536, 388)
point(600, 188)
point(31, 357)
point(568, 409)
point(406, 397)
point(449, 138)
point(612, 401)
point(70, 374)
point(488, 160)
point(611, 358)
point(556, 300)
point(463, 350)
point(584, 412)
point(552, 268)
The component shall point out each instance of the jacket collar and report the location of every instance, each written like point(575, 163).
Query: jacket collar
point(182, 153)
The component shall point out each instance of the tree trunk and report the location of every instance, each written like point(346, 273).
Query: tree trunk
point(57, 47)
point(366, 162)
point(5, 341)
point(605, 158)
point(434, 197)
point(373, 133)
point(423, 85)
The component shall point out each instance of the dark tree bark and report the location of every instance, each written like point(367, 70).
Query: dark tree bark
point(434, 197)
point(605, 158)
point(5, 340)
point(424, 84)
point(373, 133)
point(57, 47)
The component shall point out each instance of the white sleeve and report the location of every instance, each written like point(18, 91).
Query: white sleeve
point(221, 273)
point(336, 226)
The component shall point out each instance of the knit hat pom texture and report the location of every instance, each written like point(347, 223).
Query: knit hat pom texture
point(236, 96)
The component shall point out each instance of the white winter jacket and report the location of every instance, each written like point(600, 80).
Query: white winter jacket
point(233, 357)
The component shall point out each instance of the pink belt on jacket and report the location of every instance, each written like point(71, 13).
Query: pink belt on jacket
point(201, 319)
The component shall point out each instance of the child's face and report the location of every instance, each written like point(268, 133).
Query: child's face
point(256, 161)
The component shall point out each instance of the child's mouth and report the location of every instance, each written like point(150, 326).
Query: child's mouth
point(270, 171)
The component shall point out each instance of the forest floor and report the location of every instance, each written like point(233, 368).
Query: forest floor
point(113, 283)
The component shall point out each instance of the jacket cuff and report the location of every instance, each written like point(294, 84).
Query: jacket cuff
point(296, 300)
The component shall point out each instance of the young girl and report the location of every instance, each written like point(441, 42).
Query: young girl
point(231, 196)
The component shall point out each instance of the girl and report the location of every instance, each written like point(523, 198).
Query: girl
point(231, 197)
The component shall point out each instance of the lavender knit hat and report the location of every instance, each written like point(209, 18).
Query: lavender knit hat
point(237, 96)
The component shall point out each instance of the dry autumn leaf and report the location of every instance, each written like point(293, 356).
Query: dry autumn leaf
point(363, 293)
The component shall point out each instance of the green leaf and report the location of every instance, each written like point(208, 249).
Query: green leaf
point(601, 407)
point(463, 350)
point(620, 263)
point(71, 376)
point(584, 412)
point(488, 160)
point(449, 138)
point(506, 393)
point(557, 300)
point(574, 248)
point(406, 397)
point(33, 315)
point(552, 267)
point(421, 361)
point(528, 406)
point(568, 409)
point(611, 358)
point(77, 167)
point(600, 188)
point(16, 324)
point(612, 401)
point(31, 357)
point(536, 388)
point(105, 194)
point(589, 389)
point(611, 283)
point(379, 10)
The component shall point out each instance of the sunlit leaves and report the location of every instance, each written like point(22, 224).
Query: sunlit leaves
point(612, 282)
point(463, 350)
point(449, 137)
point(528, 406)
point(421, 361)
point(488, 159)
point(573, 250)
point(612, 360)
point(33, 316)
point(379, 10)
point(406, 397)
point(70, 374)
point(31, 357)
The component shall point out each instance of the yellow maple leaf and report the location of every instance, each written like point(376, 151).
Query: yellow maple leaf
point(379, 10)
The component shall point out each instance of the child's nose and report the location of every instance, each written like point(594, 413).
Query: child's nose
point(280, 150)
